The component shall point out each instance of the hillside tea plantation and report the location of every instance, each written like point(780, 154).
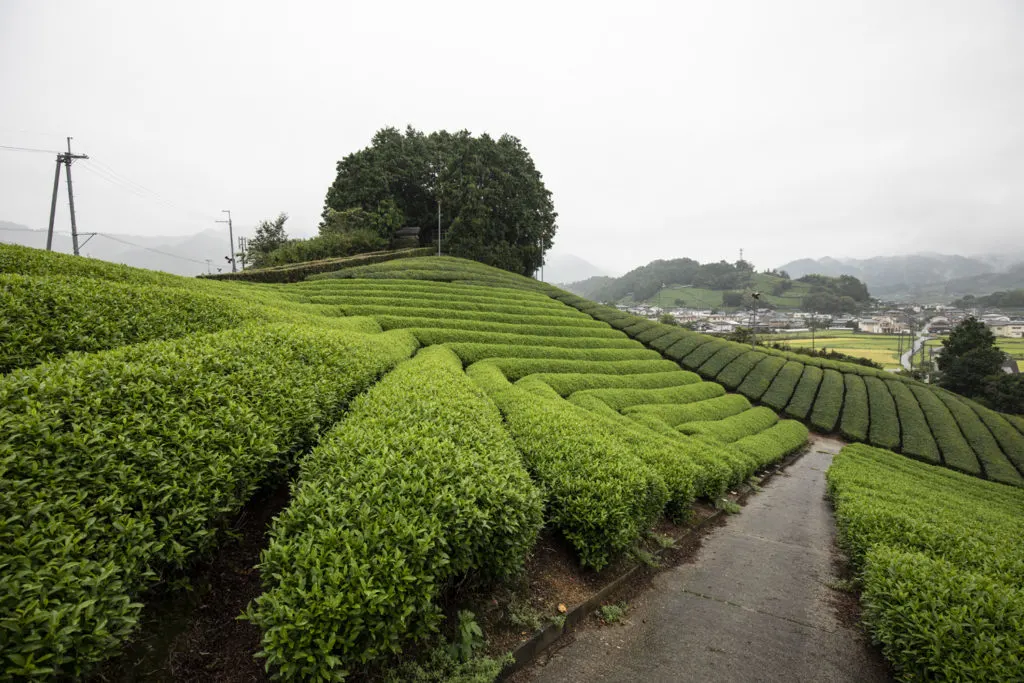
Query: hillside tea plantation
point(433, 416)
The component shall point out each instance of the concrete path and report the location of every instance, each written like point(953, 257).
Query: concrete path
point(755, 605)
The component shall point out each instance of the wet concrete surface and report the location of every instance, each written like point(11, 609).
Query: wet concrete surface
point(755, 605)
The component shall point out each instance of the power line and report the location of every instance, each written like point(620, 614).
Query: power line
point(29, 149)
point(99, 165)
point(155, 251)
point(116, 239)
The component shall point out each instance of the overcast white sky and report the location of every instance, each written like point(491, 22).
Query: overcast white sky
point(789, 129)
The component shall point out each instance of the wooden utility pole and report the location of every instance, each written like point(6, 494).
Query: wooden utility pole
point(65, 159)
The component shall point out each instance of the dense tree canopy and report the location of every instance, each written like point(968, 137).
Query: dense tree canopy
point(969, 358)
point(1011, 299)
point(646, 281)
point(492, 201)
point(834, 295)
point(270, 235)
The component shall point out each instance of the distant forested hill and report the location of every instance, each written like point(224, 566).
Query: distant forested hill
point(922, 276)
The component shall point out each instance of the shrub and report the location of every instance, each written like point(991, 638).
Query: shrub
point(45, 318)
point(522, 318)
point(829, 402)
point(716, 363)
point(393, 322)
point(784, 385)
point(672, 336)
point(711, 409)
point(600, 494)
point(694, 390)
point(979, 438)
point(471, 353)
point(129, 461)
point(696, 358)
point(419, 485)
point(517, 368)
point(774, 443)
point(856, 412)
point(1010, 440)
point(736, 371)
point(884, 428)
point(570, 382)
point(956, 452)
point(916, 436)
point(937, 622)
point(759, 380)
point(735, 427)
point(687, 345)
point(439, 335)
point(940, 568)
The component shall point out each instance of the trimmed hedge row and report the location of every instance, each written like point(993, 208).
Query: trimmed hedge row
point(774, 443)
point(981, 441)
point(429, 336)
point(714, 365)
point(300, 271)
point(735, 427)
point(45, 318)
point(956, 452)
point(20, 260)
point(522, 318)
point(517, 368)
point(1010, 440)
point(601, 495)
point(570, 382)
point(418, 486)
point(735, 372)
point(694, 390)
point(866, 413)
point(677, 413)
point(829, 402)
point(915, 434)
point(760, 378)
point(805, 393)
point(783, 385)
point(940, 562)
point(120, 467)
point(394, 322)
point(856, 418)
point(885, 422)
point(471, 353)
point(402, 302)
point(377, 286)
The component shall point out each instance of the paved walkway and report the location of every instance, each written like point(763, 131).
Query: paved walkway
point(753, 606)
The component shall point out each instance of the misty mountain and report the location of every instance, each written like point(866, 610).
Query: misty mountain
point(180, 255)
point(921, 275)
point(565, 268)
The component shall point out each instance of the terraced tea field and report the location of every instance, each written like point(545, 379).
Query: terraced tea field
point(437, 413)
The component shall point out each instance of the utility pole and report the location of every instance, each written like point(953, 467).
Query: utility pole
point(209, 270)
point(65, 159)
point(231, 239)
point(243, 247)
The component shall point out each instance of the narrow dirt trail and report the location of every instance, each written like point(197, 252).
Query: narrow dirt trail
point(755, 605)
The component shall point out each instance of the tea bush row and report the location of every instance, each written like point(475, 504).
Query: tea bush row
point(865, 404)
point(939, 561)
point(419, 486)
point(471, 353)
point(120, 467)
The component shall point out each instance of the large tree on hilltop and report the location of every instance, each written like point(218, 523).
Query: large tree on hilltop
point(493, 204)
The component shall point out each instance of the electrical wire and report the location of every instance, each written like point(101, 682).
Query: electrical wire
point(29, 149)
point(116, 239)
point(96, 164)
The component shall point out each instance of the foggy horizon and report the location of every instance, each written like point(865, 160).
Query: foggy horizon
point(791, 130)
